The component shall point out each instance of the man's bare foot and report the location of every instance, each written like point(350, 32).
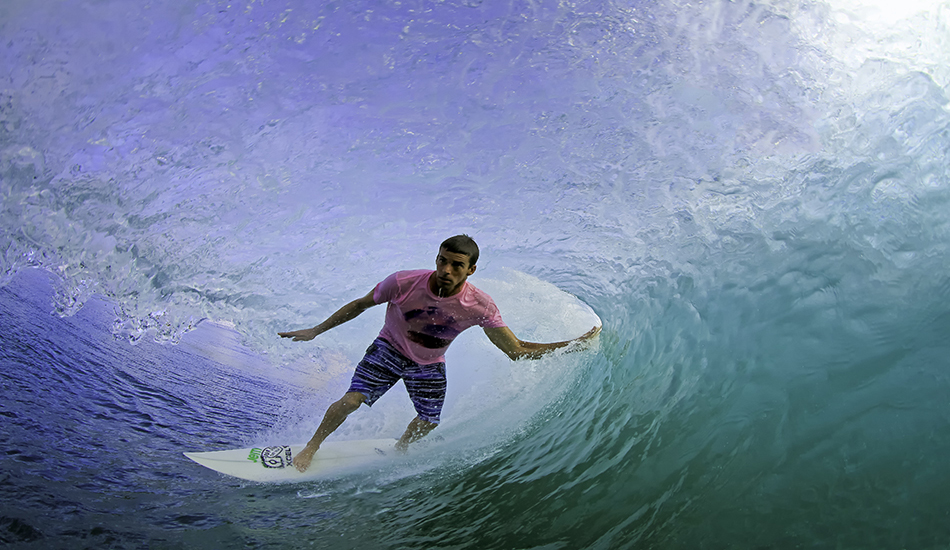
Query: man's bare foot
point(303, 458)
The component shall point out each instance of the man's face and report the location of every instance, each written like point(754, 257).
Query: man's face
point(451, 270)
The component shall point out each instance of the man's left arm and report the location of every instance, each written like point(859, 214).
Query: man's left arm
point(506, 341)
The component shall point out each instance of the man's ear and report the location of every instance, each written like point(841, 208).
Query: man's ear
point(471, 269)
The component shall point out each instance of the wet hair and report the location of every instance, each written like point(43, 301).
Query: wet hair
point(462, 244)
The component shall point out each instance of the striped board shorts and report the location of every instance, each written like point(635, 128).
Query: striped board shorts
point(383, 366)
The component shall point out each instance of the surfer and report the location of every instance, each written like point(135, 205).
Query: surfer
point(426, 311)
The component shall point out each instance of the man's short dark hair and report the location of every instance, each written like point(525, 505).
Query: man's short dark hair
point(462, 244)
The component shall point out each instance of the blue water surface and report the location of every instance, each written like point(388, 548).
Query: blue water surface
point(752, 196)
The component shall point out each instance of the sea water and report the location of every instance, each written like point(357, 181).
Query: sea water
point(753, 197)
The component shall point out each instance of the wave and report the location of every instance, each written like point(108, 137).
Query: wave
point(751, 195)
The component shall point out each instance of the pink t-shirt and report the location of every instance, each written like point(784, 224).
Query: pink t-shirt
point(420, 324)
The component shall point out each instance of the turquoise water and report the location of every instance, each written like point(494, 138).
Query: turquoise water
point(753, 197)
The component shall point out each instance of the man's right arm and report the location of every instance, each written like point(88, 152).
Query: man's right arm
point(342, 315)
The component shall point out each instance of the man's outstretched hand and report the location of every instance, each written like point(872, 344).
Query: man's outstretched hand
point(300, 335)
point(590, 334)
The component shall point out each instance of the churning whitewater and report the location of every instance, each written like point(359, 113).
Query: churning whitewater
point(752, 196)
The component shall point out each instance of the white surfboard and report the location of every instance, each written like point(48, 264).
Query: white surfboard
point(273, 463)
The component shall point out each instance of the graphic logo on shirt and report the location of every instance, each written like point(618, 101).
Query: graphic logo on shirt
point(430, 327)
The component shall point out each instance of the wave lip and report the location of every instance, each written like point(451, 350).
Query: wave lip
point(750, 195)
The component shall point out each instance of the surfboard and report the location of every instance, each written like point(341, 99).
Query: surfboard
point(273, 463)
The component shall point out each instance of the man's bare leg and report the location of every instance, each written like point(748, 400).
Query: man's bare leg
point(334, 416)
point(417, 429)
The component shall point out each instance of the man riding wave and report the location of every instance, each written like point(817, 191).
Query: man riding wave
point(426, 311)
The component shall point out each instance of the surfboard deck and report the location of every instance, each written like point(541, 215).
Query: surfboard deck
point(273, 463)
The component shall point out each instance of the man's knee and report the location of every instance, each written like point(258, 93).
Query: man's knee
point(351, 401)
point(424, 426)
